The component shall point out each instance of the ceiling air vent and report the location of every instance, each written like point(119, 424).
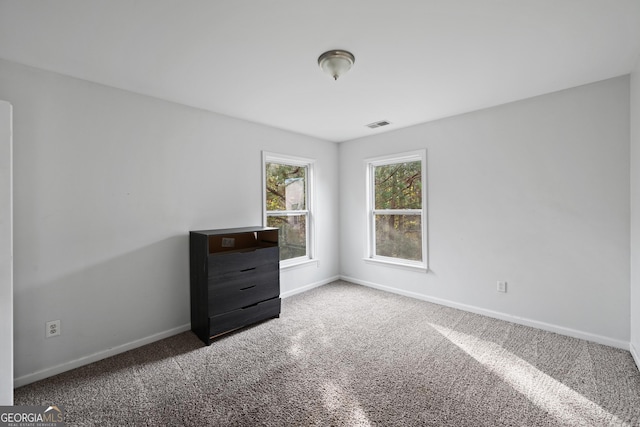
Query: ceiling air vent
point(378, 124)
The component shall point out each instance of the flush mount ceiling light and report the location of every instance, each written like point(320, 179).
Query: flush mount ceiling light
point(336, 62)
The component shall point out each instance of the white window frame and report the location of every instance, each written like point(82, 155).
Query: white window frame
point(268, 157)
point(371, 256)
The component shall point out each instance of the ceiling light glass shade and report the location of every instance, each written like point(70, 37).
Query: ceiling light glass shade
point(336, 62)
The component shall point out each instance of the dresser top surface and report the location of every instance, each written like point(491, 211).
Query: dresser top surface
point(218, 232)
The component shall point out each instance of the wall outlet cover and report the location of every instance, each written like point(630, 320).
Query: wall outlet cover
point(52, 329)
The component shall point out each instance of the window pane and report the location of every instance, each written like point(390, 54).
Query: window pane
point(399, 236)
point(398, 186)
point(292, 234)
point(286, 187)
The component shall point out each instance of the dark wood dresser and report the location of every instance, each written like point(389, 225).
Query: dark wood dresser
point(235, 279)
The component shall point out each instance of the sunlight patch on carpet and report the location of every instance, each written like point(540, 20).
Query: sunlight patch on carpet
point(343, 406)
point(295, 349)
point(565, 404)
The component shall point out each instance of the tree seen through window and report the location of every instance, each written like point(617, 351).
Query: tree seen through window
point(397, 210)
point(286, 205)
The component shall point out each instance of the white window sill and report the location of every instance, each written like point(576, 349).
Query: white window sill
point(398, 264)
point(294, 263)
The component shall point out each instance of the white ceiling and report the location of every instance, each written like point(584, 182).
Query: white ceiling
point(416, 60)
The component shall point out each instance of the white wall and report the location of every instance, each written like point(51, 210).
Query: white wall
point(6, 257)
point(107, 185)
point(635, 213)
point(535, 193)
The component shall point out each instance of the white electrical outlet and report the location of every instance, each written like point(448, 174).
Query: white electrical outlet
point(52, 329)
point(502, 286)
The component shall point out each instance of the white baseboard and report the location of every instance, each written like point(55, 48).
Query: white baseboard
point(498, 315)
point(308, 287)
point(85, 360)
point(636, 354)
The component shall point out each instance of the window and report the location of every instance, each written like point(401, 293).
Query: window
point(287, 205)
point(396, 214)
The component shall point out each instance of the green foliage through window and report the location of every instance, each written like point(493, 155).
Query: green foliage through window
point(398, 186)
point(399, 236)
point(286, 187)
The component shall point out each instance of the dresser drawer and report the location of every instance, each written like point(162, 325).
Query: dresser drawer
point(238, 318)
point(222, 264)
point(243, 290)
point(217, 282)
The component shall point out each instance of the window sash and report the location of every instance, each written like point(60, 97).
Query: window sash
point(372, 250)
point(397, 211)
point(402, 241)
point(288, 213)
point(293, 245)
point(307, 213)
point(387, 177)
